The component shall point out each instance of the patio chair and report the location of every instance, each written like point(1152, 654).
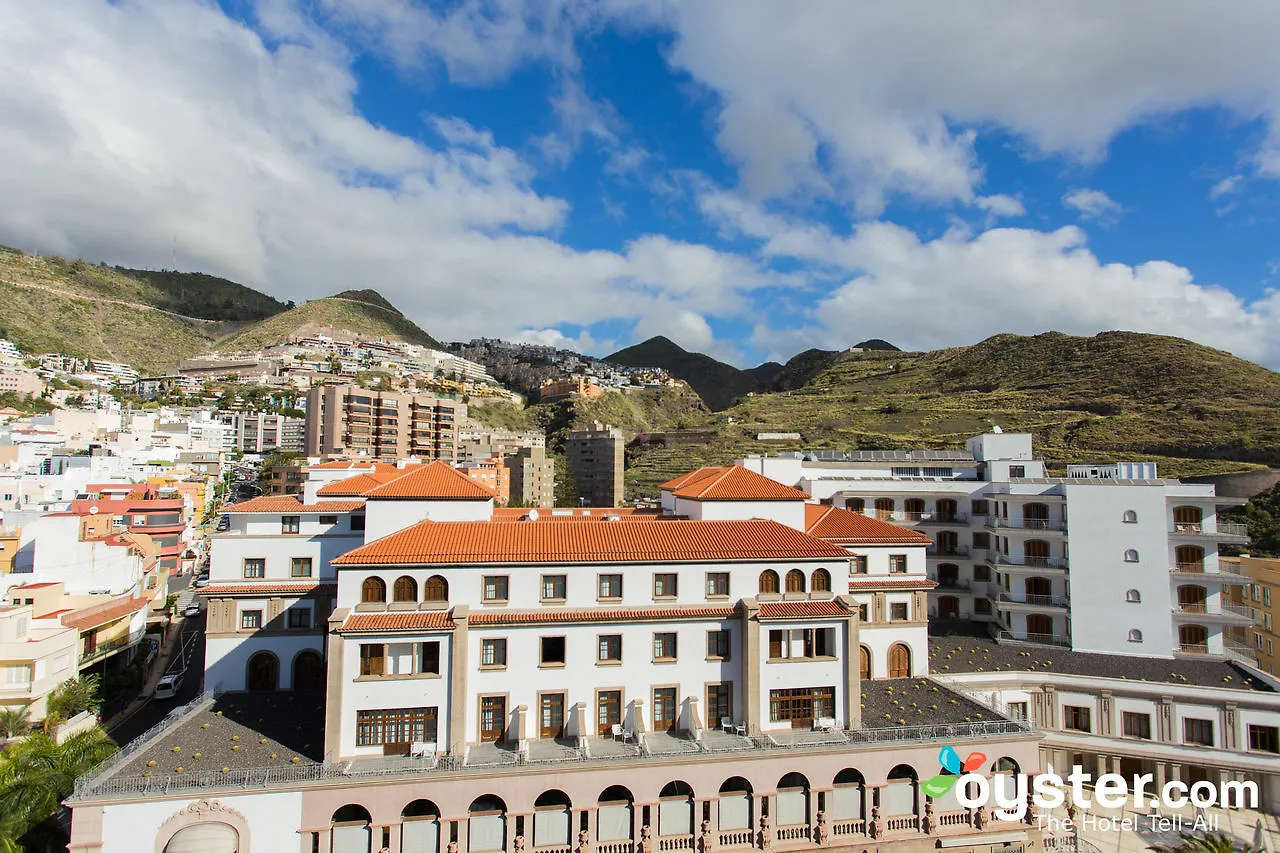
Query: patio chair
point(619, 732)
point(422, 749)
point(740, 729)
point(726, 725)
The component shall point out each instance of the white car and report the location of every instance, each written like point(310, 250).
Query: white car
point(192, 610)
point(202, 582)
point(168, 686)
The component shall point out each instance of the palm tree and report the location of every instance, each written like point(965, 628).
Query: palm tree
point(1214, 842)
point(71, 697)
point(37, 774)
point(14, 721)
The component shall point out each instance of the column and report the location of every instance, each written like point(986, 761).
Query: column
point(1102, 766)
point(1161, 775)
point(1175, 771)
point(852, 664)
point(1115, 764)
point(392, 834)
point(333, 689)
point(751, 665)
point(458, 700)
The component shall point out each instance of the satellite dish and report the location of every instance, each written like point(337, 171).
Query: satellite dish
point(533, 515)
point(93, 510)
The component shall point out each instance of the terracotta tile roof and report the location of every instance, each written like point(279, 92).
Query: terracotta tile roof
point(488, 542)
point(109, 505)
point(416, 620)
point(801, 609)
point(360, 484)
point(101, 614)
point(734, 483)
point(838, 524)
point(610, 615)
point(437, 480)
point(677, 482)
point(624, 513)
point(881, 582)
point(292, 504)
point(342, 465)
point(296, 588)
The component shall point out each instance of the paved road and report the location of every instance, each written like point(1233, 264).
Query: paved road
point(156, 710)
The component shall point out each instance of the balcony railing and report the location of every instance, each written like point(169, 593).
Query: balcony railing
point(1193, 648)
point(953, 551)
point(1025, 524)
point(1029, 637)
point(952, 583)
point(1034, 600)
point(102, 650)
point(1197, 528)
point(1225, 608)
point(995, 558)
point(942, 518)
point(1196, 567)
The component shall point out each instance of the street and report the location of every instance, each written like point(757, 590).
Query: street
point(155, 710)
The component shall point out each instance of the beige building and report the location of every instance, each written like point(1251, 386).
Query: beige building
point(595, 464)
point(347, 420)
point(21, 381)
point(1263, 598)
point(36, 655)
point(533, 477)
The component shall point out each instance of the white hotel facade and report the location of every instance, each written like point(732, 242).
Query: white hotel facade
point(746, 669)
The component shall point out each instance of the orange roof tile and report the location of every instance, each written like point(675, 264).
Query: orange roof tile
point(435, 481)
point(801, 609)
point(620, 614)
point(735, 483)
point(487, 542)
point(101, 614)
point(842, 525)
point(879, 582)
point(341, 465)
point(677, 482)
point(292, 504)
point(624, 513)
point(414, 620)
point(269, 588)
point(360, 484)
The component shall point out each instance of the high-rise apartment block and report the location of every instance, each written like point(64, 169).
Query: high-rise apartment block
point(533, 477)
point(595, 464)
point(347, 420)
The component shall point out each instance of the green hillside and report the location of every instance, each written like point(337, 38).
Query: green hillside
point(353, 313)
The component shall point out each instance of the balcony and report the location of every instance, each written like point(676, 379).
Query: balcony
point(1004, 636)
point(1228, 573)
point(1226, 531)
point(957, 551)
point(103, 650)
point(958, 518)
point(1053, 602)
point(1037, 525)
point(954, 584)
point(1006, 562)
point(1235, 614)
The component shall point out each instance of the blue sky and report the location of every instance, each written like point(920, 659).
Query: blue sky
point(748, 177)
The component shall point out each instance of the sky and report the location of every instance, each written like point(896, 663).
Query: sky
point(750, 178)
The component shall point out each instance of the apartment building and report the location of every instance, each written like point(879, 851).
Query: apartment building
point(533, 477)
point(1262, 599)
point(387, 425)
point(99, 627)
point(1010, 544)
point(492, 473)
point(595, 462)
point(36, 655)
point(743, 670)
point(260, 432)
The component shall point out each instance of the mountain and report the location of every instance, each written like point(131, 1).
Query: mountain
point(352, 313)
point(877, 344)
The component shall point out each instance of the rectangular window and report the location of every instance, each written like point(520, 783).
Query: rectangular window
point(802, 705)
point(904, 471)
point(1017, 710)
point(328, 520)
point(300, 617)
point(255, 567)
point(1076, 718)
point(610, 586)
point(862, 613)
point(290, 524)
point(981, 572)
point(1199, 732)
point(1266, 596)
point(1257, 592)
point(664, 585)
point(898, 611)
point(373, 659)
point(859, 566)
point(493, 652)
point(978, 507)
point(553, 587)
point(398, 726)
point(897, 564)
point(1264, 739)
point(300, 567)
point(717, 584)
point(495, 588)
point(718, 645)
point(551, 651)
point(357, 522)
point(664, 646)
point(982, 605)
point(802, 644)
point(1017, 472)
point(982, 540)
point(945, 473)
point(20, 674)
point(1137, 725)
point(250, 618)
point(719, 703)
point(429, 658)
point(610, 648)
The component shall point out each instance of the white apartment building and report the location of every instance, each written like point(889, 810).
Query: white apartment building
point(36, 655)
point(1109, 559)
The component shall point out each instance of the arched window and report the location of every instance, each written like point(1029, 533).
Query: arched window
point(1135, 636)
point(857, 505)
point(675, 809)
point(1133, 596)
point(792, 800)
point(864, 663)
point(205, 836)
point(899, 796)
point(404, 589)
point(264, 672)
point(795, 581)
point(308, 671)
point(1193, 639)
point(374, 589)
point(1130, 517)
point(351, 830)
point(420, 827)
point(821, 581)
point(769, 581)
point(613, 814)
point(1189, 558)
point(899, 661)
point(1131, 555)
point(913, 509)
point(551, 825)
point(1193, 599)
point(884, 508)
point(487, 824)
point(435, 589)
point(847, 801)
point(1187, 519)
point(735, 804)
point(1005, 765)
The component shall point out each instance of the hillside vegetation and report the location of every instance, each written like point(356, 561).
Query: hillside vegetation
point(352, 313)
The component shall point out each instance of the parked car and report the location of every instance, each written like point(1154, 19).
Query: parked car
point(192, 610)
point(168, 686)
point(202, 581)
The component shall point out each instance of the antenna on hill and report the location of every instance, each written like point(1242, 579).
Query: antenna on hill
point(175, 253)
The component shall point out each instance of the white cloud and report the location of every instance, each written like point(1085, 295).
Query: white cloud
point(1226, 186)
point(1092, 204)
point(130, 124)
point(1000, 205)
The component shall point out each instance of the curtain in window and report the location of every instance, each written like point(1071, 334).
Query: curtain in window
point(898, 798)
point(735, 811)
point(613, 822)
point(421, 835)
point(550, 826)
point(675, 817)
point(791, 808)
point(351, 839)
point(845, 803)
point(486, 833)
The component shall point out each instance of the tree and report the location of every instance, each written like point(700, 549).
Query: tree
point(1214, 842)
point(14, 721)
point(37, 774)
point(71, 697)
